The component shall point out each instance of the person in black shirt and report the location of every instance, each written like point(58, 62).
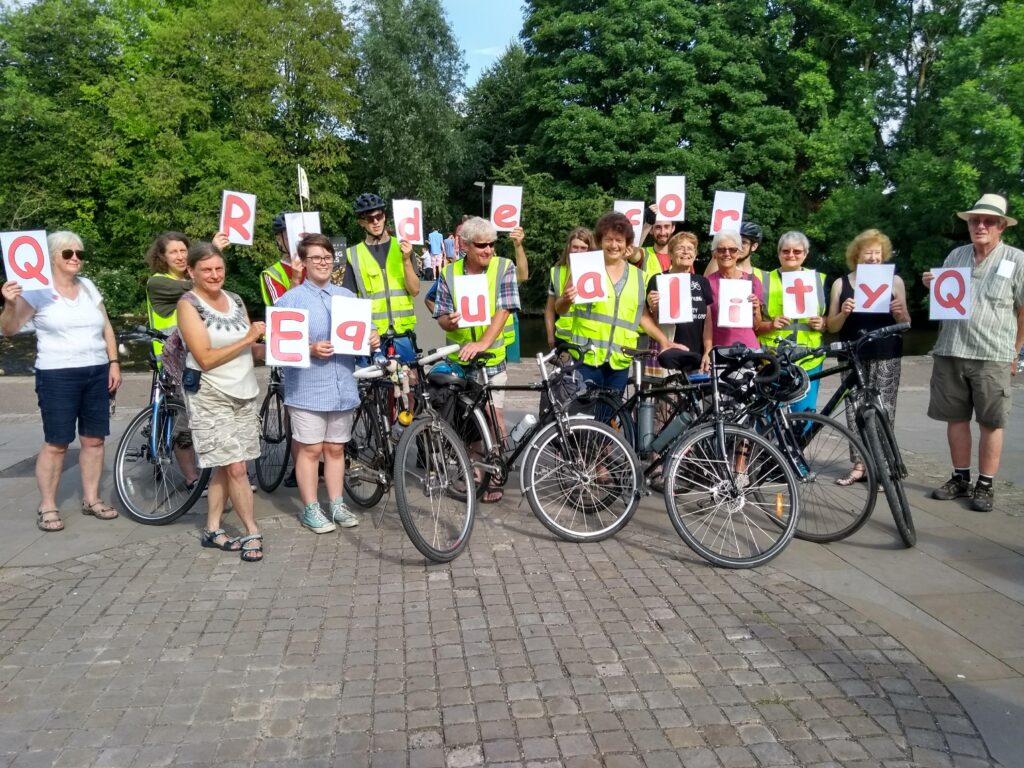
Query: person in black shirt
point(682, 250)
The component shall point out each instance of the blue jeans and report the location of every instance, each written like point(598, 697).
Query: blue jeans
point(604, 376)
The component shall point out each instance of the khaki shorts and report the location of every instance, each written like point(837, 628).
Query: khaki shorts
point(962, 387)
point(315, 427)
point(225, 430)
point(498, 395)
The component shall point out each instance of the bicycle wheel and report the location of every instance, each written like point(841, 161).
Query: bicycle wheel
point(152, 488)
point(275, 442)
point(821, 448)
point(882, 445)
point(431, 463)
point(367, 456)
point(471, 427)
point(736, 509)
point(585, 486)
point(608, 408)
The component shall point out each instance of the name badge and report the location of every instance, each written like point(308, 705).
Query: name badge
point(1005, 268)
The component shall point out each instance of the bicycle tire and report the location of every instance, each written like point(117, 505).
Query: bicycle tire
point(470, 424)
point(881, 444)
point(367, 457)
point(705, 501)
point(275, 442)
point(584, 487)
point(152, 489)
point(430, 460)
point(823, 449)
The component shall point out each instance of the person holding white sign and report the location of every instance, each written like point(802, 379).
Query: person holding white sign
point(284, 273)
point(221, 396)
point(661, 230)
point(322, 398)
point(751, 235)
point(795, 306)
point(559, 327)
point(882, 359)
point(382, 269)
point(77, 371)
point(612, 323)
point(683, 248)
point(724, 312)
point(479, 237)
point(974, 359)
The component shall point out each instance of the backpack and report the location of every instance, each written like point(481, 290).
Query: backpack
point(172, 357)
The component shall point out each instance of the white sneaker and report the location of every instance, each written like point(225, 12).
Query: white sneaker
point(314, 519)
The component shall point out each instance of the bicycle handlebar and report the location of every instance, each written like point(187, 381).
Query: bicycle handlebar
point(438, 354)
point(869, 336)
point(738, 355)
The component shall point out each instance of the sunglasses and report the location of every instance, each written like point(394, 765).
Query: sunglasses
point(792, 251)
point(67, 253)
point(373, 218)
point(727, 251)
point(986, 223)
point(485, 246)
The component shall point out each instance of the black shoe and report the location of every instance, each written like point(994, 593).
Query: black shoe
point(983, 499)
point(954, 488)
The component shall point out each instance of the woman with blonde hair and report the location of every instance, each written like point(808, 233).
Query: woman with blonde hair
point(559, 327)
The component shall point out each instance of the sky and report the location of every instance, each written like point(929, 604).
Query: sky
point(483, 29)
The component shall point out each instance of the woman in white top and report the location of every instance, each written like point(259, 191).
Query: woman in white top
point(222, 411)
point(76, 372)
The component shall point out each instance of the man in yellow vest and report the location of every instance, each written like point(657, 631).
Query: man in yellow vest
point(479, 238)
point(382, 269)
point(285, 273)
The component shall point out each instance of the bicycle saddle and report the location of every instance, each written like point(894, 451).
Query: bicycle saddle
point(679, 360)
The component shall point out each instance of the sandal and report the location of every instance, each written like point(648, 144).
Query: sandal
point(50, 524)
point(207, 540)
point(858, 474)
point(99, 509)
point(252, 548)
point(492, 495)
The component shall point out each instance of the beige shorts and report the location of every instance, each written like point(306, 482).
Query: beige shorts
point(315, 427)
point(498, 379)
point(961, 387)
point(225, 430)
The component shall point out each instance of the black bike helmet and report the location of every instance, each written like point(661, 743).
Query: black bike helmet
point(367, 202)
point(751, 231)
point(278, 224)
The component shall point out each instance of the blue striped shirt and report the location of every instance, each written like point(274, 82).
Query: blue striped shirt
point(327, 384)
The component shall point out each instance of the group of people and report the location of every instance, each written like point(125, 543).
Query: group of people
point(77, 366)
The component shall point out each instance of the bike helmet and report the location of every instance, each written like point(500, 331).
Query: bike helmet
point(278, 224)
point(791, 386)
point(367, 202)
point(751, 231)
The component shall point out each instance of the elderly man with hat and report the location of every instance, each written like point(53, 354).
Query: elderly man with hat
point(975, 358)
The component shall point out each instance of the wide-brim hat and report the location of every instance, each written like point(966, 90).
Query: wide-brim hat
point(991, 205)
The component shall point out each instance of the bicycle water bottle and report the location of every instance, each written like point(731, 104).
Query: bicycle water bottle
point(404, 420)
point(645, 428)
point(671, 431)
point(520, 430)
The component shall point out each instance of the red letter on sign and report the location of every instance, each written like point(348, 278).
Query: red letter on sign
point(468, 313)
point(505, 216)
point(734, 309)
point(236, 216)
point(675, 301)
point(670, 205)
point(352, 331)
point(28, 270)
point(409, 229)
point(800, 289)
point(595, 283)
point(722, 215)
point(872, 295)
point(633, 214)
point(278, 335)
point(951, 300)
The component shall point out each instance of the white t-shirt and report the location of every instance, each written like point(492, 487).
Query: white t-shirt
point(69, 334)
point(236, 377)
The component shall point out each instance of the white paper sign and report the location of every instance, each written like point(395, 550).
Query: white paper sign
point(949, 295)
point(27, 259)
point(634, 211)
point(735, 310)
point(800, 294)
point(238, 216)
point(675, 300)
point(727, 212)
point(288, 337)
point(506, 207)
point(873, 287)
point(299, 224)
point(409, 220)
point(472, 300)
point(351, 325)
point(670, 192)
point(588, 276)
point(1005, 268)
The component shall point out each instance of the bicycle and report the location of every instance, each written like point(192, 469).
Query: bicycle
point(883, 453)
point(151, 456)
point(275, 436)
point(578, 475)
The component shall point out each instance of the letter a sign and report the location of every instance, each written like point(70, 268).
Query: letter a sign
point(26, 259)
point(588, 276)
point(238, 216)
point(473, 301)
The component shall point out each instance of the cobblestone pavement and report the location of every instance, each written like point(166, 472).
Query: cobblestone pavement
point(348, 650)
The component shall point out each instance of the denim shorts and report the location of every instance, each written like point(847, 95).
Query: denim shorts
point(73, 395)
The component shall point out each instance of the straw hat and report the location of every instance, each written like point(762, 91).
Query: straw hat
point(991, 205)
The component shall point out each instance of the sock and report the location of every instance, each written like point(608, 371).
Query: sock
point(962, 474)
point(985, 481)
